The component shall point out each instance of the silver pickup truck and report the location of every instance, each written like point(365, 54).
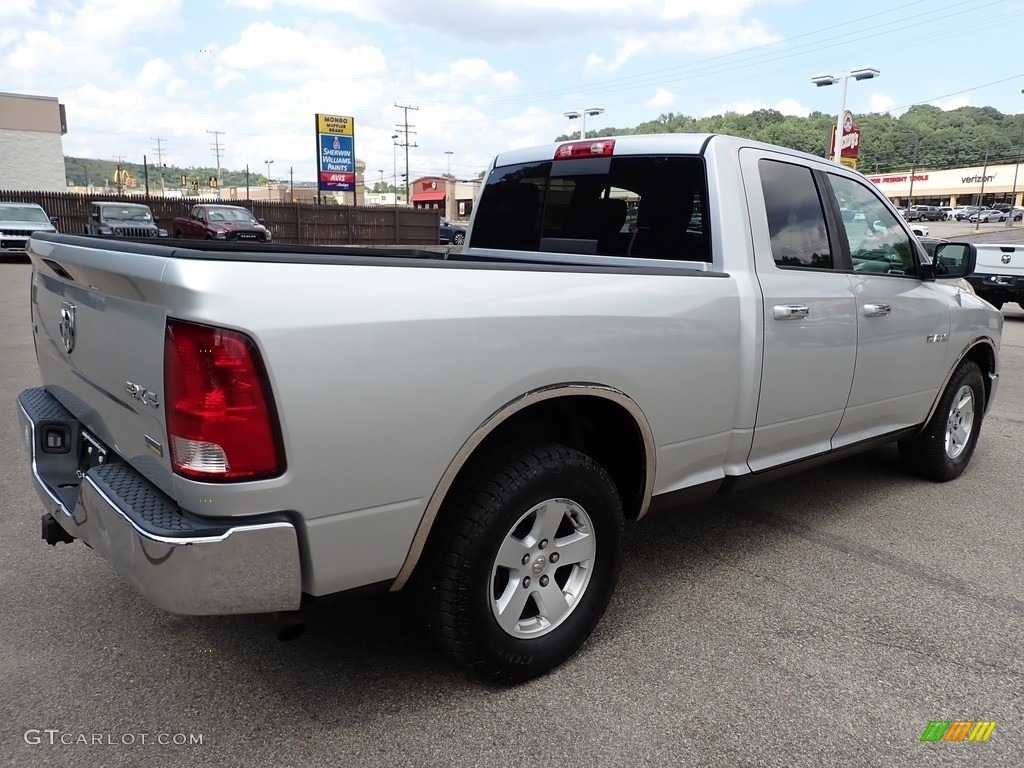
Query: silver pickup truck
point(632, 322)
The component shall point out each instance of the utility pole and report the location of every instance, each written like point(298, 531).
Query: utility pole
point(119, 176)
point(405, 132)
point(160, 162)
point(247, 181)
point(216, 148)
point(913, 170)
point(981, 197)
point(291, 184)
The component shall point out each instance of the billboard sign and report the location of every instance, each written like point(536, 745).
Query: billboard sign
point(849, 150)
point(336, 153)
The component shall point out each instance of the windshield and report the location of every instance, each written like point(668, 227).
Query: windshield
point(231, 214)
point(127, 212)
point(19, 213)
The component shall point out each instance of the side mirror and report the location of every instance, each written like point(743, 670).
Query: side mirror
point(261, 221)
point(951, 260)
point(54, 220)
point(94, 216)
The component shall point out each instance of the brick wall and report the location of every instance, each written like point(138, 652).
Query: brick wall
point(31, 160)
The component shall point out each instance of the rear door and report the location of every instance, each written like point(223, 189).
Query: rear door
point(810, 324)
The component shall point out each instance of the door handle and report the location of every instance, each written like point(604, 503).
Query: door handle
point(876, 310)
point(790, 311)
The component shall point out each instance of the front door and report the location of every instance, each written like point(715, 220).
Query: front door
point(903, 323)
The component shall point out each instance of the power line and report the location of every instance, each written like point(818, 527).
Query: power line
point(159, 160)
point(405, 132)
point(216, 148)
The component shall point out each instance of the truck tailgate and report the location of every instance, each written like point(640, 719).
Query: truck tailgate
point(100, 347)
point(996, 259)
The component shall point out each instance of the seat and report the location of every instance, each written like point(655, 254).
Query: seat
point(661, 225)
point(600, 219)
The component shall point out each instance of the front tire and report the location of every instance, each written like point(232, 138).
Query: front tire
point(526, 561)
point(944, 448)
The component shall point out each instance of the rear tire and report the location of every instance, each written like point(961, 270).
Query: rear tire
point(525, 562)
point(944, 448)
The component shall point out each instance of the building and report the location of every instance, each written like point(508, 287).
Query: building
point(976, 185)
point(445, 193)
point(31, 149)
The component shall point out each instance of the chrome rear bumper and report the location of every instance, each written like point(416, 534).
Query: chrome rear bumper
point(180, 562)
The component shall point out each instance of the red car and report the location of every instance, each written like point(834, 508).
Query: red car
point(221, 222)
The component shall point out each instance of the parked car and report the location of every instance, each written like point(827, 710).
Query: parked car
point(451, 233)
point(919, 229)
point(1017, 213)
point(929, 213)
point(947, 212)
point(116, 219)
point(18, 222)
point(221, 222)
point(964, 212)
point(929, 244)
point(984, 217)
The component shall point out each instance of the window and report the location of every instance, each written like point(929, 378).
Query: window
point(643, 206)
point(877, 242)
point(796, 221)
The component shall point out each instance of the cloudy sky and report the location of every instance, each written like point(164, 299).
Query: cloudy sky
point(484, 75)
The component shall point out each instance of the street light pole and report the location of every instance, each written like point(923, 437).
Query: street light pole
point(582, 114)
point(268, 162)
point(863, 73)
point(449, 153)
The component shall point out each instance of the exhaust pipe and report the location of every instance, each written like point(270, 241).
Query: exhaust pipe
point(288, 625)
point(53, 533)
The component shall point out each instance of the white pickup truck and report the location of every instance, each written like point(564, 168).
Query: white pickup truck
point(999, 274)
point(632, 322)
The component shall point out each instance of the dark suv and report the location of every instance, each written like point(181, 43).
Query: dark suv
point(122, 220)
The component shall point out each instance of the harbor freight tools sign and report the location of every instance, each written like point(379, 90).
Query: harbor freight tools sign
point(336, 153)
point(849, 151)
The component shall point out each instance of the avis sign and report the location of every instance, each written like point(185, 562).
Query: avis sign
point(849, 150)
point(336, 153)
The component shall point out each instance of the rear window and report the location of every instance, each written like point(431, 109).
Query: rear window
point(645, 207)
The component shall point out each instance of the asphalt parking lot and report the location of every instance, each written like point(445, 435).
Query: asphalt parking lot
point(820, 620)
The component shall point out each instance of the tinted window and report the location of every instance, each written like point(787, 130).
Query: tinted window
point(877, 241)
point(796, 221)
point(648, 207)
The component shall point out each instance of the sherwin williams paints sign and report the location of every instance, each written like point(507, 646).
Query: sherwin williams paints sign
point(336, 153)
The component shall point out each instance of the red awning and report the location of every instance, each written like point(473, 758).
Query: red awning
point(427, 197)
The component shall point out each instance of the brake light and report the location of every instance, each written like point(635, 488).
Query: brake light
point(574, 149)
point(221, 421)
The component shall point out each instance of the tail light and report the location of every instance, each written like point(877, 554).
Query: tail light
point(603, 148)
point(221, 420)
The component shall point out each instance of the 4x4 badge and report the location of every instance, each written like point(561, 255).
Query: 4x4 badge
point(67, 325)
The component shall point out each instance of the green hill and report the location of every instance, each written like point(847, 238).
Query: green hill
point(81, 171)
point(952, 139)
